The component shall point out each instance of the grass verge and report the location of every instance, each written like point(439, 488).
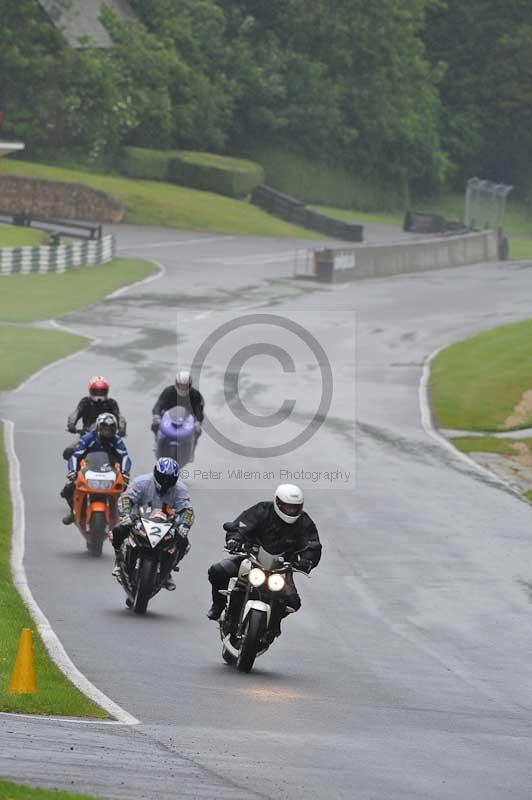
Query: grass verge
point(477, 384)
point(157, 203)
point(25, 350)
point(24, 298)
point(14, 791)
point(491, 444)
point(18, 236)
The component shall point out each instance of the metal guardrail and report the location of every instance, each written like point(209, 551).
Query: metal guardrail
point(59, 227)
point(293, 210)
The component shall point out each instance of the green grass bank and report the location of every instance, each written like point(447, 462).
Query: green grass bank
point(168, 205)
point(15, 791)
point(25, 298)
point(17, 236)
point(479, 384)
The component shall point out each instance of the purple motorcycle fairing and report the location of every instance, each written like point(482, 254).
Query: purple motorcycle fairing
point(176, 429)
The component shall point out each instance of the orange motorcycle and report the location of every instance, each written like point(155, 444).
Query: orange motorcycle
point(98, 485)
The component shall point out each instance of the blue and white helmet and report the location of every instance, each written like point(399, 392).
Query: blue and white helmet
point(165, 474)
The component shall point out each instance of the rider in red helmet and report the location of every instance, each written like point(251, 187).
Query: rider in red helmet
point(96, 402)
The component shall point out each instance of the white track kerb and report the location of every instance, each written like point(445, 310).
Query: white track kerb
point(429, 427)
point(52, 643)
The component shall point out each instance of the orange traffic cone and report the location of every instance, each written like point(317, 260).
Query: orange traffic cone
point(23, 675)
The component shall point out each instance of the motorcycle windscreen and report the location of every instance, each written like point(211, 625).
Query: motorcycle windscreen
point(98, 462)
point(268, 560)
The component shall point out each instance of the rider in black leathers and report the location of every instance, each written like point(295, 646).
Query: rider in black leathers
point(96, 402)
point(280, 526)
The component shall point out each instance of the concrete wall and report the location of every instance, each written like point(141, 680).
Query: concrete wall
point(350, 263)
point(57, 200)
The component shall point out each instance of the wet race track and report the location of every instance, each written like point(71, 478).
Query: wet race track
point(408, 672)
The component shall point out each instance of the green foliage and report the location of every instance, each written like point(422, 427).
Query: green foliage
point(234, 177)
point(485, 48)
point(143, 162)
point(400, 94)
point(321, 183)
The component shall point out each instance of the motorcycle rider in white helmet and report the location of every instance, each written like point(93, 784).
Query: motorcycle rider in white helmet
point(280, 526)
point(180, 393)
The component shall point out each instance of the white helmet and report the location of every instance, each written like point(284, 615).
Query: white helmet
point(183, 382)
point(288, 502)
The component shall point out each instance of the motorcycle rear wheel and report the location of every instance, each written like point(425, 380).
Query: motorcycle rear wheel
point(98, 533)
point(145, 578)
point(253, 630)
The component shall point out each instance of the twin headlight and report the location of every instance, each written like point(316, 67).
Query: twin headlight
point(95, 483)
point(275, 582)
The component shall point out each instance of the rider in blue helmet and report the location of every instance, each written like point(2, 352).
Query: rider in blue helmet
point(158, 489)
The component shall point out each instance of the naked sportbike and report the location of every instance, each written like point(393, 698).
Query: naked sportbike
point(258, 587)
point(149, 555)
point(94, 505)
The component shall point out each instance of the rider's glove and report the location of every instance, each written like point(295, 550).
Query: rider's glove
point(125, 521)
point(182, 530)
point(233, 545)
point(71, 476)
point(71, 427)
point(155, 422)
point(303, 564)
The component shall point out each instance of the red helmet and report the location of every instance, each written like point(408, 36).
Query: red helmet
point(98, 388)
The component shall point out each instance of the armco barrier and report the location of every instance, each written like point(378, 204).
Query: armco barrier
point(292, 210)
point(63, 257)
point(352, 263)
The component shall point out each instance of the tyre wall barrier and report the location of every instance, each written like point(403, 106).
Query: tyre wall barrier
point(292, 210)
point(351, 263)
point(61, 258)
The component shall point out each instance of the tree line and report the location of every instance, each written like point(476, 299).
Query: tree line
point(415, 93)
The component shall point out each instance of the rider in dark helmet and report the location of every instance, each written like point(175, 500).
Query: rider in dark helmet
point(103, 439)
point(160, 489)
point(280, 526)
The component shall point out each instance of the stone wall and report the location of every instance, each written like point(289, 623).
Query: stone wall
point(57, 200)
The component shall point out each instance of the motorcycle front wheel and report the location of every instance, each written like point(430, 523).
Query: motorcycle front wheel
point(253, 630)
point(98, 533)
point(146, 576)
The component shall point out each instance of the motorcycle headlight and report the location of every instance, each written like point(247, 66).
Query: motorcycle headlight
point(256, 577)
point(93, 483)
point(276, 583)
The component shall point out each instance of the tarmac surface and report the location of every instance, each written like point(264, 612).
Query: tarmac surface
point(408, 671)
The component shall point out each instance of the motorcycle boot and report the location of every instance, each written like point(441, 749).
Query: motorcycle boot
point(218, 605)
point(68, 519)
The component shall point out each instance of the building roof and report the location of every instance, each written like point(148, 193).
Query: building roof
point(79, 19)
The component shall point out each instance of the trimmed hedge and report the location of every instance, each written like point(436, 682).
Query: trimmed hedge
point(233, 177)
point(140, 162)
